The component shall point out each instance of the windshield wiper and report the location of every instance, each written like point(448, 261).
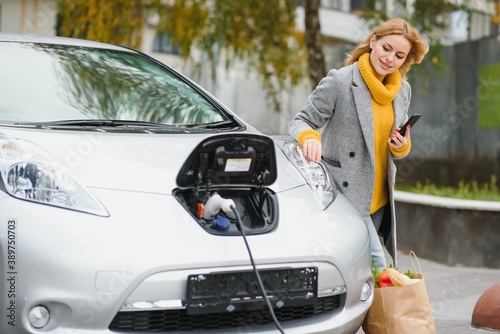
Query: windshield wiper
point(98, 123)
point(214, 125)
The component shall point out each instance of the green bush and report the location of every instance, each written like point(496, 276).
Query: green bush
point(464, 190)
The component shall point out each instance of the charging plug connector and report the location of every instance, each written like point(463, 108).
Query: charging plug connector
point(216, 203)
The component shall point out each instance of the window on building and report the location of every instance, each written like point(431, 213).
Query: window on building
point(163, 43)
point(332, 4)
point(358, 5)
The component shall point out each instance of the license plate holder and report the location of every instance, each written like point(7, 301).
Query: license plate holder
point(239, 290)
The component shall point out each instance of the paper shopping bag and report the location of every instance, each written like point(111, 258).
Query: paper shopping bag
point(400, 310)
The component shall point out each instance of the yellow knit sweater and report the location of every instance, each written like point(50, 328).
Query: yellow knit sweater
point(383, 92)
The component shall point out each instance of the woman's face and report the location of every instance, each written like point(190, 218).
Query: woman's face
point(388, 53)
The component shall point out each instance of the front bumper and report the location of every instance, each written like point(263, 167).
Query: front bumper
point(86, 269)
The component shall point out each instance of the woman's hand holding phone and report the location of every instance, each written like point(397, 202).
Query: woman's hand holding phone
point(396, 140)
point(401, 136)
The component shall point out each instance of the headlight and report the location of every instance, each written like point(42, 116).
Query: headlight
point(315, 174)
point(29, 173)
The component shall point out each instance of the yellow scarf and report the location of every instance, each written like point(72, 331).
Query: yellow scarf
point(383, 92)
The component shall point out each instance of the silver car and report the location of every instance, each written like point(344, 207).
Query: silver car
point(132, 201)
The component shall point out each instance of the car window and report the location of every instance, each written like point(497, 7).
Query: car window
point(44, 82)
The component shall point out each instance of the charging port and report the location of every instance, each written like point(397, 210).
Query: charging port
point(231, 167)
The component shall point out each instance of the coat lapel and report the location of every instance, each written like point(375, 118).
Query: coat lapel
point(399, 108)
point(364, 109)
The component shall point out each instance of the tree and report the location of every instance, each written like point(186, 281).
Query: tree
point(261, 34)
point(117, 22)
point(314, 42)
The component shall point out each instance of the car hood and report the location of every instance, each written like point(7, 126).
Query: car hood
point(131, 161)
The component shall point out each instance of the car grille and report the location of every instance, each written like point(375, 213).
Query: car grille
point(165, 321)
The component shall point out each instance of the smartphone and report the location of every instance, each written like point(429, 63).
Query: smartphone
point(411, 122)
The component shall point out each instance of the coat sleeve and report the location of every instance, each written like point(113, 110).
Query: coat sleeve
point(406, 99)
point(320, 106)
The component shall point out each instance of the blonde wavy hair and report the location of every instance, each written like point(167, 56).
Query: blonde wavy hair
point(395, 26)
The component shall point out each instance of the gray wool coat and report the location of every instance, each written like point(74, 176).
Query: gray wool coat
point(340, 108)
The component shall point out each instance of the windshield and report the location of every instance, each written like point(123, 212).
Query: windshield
point(43, 83)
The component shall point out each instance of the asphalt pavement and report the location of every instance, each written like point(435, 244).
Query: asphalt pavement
point(453, 293)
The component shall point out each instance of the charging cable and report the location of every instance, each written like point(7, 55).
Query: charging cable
point(254, 267)
point(216, 203)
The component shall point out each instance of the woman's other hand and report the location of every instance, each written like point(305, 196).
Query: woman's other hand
point(312, 149)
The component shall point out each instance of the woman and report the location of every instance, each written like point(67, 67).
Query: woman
point(351, 122)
